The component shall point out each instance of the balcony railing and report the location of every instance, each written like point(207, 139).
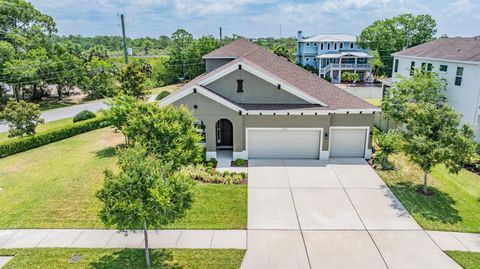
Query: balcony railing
point(327, 68)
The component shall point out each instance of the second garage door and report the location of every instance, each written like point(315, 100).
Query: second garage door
point(283, 143)
point(347, 142)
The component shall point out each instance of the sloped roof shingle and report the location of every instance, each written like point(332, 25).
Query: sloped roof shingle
point(455, 49)
point(279, 67)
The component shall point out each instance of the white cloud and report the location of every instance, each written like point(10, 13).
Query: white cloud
point(212, 7)
point(459, 8)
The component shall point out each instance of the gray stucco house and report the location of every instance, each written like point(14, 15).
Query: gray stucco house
point(259, 105)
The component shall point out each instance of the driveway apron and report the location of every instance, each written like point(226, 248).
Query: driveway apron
point(335, 214)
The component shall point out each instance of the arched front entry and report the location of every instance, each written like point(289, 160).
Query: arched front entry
point(224, 131)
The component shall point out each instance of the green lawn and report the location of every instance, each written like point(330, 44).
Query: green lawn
point(54, 187)
point(468, 260)
point(42, 127)
point(455, 205)
point(169, 88)
point(123, 258)
point(375, 102)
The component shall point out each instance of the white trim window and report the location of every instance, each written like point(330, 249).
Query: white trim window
point(443, 68)
point(459, 76)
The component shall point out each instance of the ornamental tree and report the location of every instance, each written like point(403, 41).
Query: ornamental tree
point(22, 118)
point(432, 134)
point(133, 77)
point(120, 107)
point(168, 132)
point(144, 193)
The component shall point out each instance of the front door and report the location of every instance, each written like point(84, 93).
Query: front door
point(224, 134)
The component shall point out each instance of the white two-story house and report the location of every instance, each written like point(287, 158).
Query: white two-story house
point(455, 59)
point(332, 55)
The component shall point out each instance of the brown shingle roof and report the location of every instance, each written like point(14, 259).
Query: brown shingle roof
point(279, 67)
point(456, 49)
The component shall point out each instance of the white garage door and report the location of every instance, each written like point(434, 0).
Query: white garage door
point(283, 144)
point(347, 142)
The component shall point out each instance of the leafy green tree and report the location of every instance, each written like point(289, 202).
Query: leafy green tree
point(99, 52)
point(422, 87)
point(376, 62)
point(133, 77)
point(163, 41)
point(22, 118)
point(393, 34)
point(432, 133)
point(21, 24)
point(24, 28)
point(283, 51)
point(120, 107)
point(434, 136)
point(66, 70)
point(168, 132)
point(144, 193)
point(99, 81)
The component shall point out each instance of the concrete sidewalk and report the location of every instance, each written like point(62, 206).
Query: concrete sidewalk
point(456, 241)
point(72, 238)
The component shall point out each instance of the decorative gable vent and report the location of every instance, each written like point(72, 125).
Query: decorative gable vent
point(239, 85)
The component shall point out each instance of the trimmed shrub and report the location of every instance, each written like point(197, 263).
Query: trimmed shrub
point(84, 115)
point(18, 145)
point(212, 163)
point(239, 162)
point(208, 175)
point(162, 95)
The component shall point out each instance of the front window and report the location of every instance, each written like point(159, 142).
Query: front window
point(412, 67)
point(341, 45)
point(459, 76)
point(308, 44)
point(328, 46)
point(335, 46)
point(351, 45)
point(396, 66)
point(443, 68)
point(429, 67)
point(321, 46)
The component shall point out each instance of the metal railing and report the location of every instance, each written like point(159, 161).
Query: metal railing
point(327, 68)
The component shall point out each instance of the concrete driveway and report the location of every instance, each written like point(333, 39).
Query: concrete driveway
point(336, 214)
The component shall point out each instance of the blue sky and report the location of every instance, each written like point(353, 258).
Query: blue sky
point(251, 18)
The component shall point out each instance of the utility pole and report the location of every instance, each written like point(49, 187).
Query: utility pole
point(221, 38)
point(124, 39)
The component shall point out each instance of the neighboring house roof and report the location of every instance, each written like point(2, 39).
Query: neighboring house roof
point(454, 49)
point(330, 96)
point(331, 38)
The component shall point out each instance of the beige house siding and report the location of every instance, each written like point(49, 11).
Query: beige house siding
point(256, 90)
point(212, 64)
point(209, 112)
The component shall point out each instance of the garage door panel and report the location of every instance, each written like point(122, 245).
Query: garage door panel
point(283, 144)
point(347, 142)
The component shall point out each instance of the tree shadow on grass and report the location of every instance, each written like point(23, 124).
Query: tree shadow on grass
point(135, 258)
point(436, 207)
point(106, 152)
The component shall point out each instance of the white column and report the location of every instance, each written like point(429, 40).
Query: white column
point(340, 70)
point(355, 69)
